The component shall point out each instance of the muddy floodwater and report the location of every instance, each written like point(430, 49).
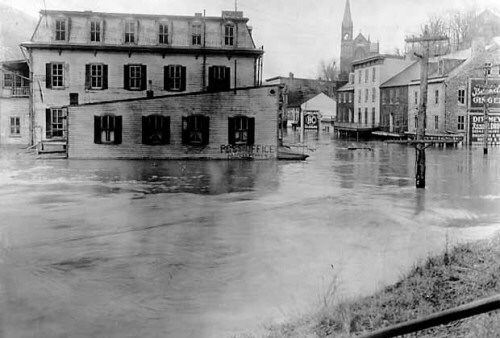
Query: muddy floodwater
point(217, 248)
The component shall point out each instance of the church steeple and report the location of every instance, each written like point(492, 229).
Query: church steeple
point(347, 20)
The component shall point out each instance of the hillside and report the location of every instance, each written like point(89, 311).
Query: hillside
point(15, 27)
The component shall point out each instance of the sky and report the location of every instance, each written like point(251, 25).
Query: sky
point(297, 35)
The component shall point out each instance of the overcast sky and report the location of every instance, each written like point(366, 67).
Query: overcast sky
point(296, 35)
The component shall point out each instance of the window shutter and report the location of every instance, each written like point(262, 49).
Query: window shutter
point(145, 130)
point(48, 124)
point(144, 77)
point(126, 72)
point(166, 77)
point(211, 79)
point(227, 80)
point(97, 129)
point(251, 131)
point(87, 76)
point(136, 35)
point(104, 76)
point(206, 130)
point(166, 129)
point(69, 29)
point(185, 130)
point(183, 79)
point(118, 129)
point(103, 30)
point(48, 75)
point(66, 75)
point(230, 130)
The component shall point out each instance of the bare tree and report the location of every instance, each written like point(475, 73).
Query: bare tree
point(328, 70)
point(461, 27)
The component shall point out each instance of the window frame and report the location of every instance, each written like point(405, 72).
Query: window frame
point(130, 32)
point(96, 29)
point(174, 77)
point(229, 34)
point(461, 96)
point(155, 129)
point(109, 127)
point(460, 122)
point(96, 76)
point(15, 128)
point(196, 34)
point(196, 130)
point(241, 130)
point(217, 81)
point(163, 33)
point(436, 96)
point(436, 122)
point(55, 123)
point(135, 77)
point(61, 33)
point(55, 75)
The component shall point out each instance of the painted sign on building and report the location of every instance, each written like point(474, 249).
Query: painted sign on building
point(476, 130)
point(479, 93)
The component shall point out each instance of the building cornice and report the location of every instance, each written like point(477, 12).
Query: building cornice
point(163, 50)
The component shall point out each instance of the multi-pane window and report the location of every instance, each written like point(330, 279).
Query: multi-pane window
point(373, 74)
point(108, 129)
point(461, 96)
point(219, 78)
point(366, 94)
point(461, 123)
point(359, 115)
point(55, 119)
point(229, 35)
point(366, 75)
point(61, 29)
point(130, 32)
point(360, 73)
point(95, 31)
point(196, 34)
point(436, 122)
point(366, 115)
point(195, 130)
point(15, 126)
point(359, 96)
point(8, 80)
point(175, 78)
point(163, 33)
point(436, 96)
point(373, 116)
point(155, 129)
point(416, 97)
point(374, 94)
point(54, 75)
point(135, 77)
point(96, 76)
point(241, 130)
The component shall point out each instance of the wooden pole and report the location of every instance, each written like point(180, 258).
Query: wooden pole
point(486, 121)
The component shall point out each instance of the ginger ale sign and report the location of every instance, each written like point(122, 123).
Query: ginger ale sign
point(479, 93)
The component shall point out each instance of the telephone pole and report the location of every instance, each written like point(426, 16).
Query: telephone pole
point(426, 39)
point(486, 121)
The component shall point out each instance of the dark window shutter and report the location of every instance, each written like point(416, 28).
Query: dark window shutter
point(48, 124)
point(105, 77)
point(48, 75)
point(126, 72)
point(103, 30)
point(211, 79)
point(97, 129)
point(230, 130)
point(145, 130)
point(144, 77)
point(87, 76)
point(206, 130)
point(118, 129)
point(183, 79)
point(251, 131)
point(166, 77)
point(69, 29)
point(166, 129)
point(185, 130)
point(227, 80)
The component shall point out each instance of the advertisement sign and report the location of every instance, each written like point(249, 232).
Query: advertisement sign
point(311, 120)
point(479, 93)
point(476, 130)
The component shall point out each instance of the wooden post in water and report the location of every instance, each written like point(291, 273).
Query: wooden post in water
point(425, 40)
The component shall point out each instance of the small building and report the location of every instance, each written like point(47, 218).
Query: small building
point(236, 124)
point(14, 104)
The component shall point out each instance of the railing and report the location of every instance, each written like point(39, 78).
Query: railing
point(440, 318)
point(20, 91)
point(353, 125)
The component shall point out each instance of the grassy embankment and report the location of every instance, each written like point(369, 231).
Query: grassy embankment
point(466, 273)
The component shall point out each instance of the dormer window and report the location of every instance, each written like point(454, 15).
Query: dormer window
point(229, 34)
point(61, 29)
point(96, 28)
point(163, 33)
point(130, 32)
point(196, 34)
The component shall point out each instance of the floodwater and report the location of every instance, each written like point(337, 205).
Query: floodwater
point(217, 248)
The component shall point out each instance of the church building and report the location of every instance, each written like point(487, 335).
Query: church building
point(351, 48)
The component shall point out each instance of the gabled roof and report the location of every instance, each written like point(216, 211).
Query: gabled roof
point(404, 77)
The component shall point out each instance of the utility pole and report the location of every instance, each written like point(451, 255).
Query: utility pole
point(426, 39)
point(486, 122)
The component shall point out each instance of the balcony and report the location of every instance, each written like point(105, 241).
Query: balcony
point(15, 92)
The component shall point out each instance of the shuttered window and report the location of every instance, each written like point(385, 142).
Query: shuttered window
point(195, 130)
point(61, 30)
point(229, 34)
point(175, 78)
point(55, 122)
point(54, 75)
point(135, 77)
point(241, 130)
point(96, 76)
point(219, 78)
point(156, 129)
point(96, 27)
point(130, 32)
point(163, 33)
point(108, 129)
